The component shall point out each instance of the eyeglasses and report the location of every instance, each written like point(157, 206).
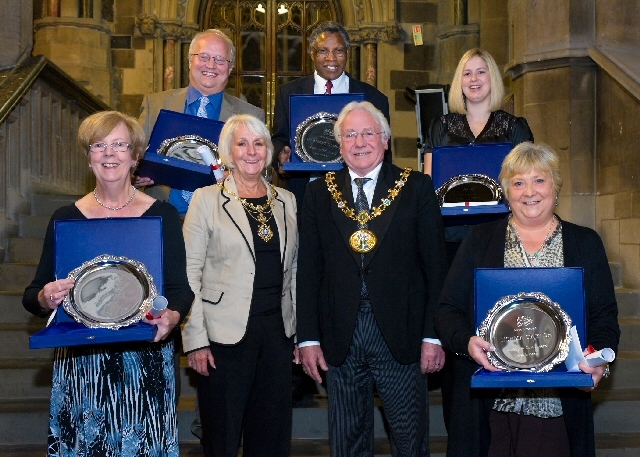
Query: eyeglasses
point(337, 53)
point(351, 137)
point(118, 147)
point(204, 58)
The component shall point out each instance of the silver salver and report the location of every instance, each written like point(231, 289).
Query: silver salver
point(315, 141)
point(185, 147)
point(529, 331)
point(110, 292)
point(469, 188)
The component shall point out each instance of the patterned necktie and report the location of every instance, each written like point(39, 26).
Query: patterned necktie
point(328, 85)
point(362, 205)
point(202, 109)
point(202, 112)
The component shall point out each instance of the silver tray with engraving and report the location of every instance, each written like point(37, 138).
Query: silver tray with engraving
point(529, 331)
point(110, 292)
point(469, 188)
point(185, 147)
point(315, 141)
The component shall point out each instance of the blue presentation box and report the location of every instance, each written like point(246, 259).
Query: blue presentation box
point(302, 107)
point(172, 172)
point(77, 241)
point(485, 159)
point(564, 286)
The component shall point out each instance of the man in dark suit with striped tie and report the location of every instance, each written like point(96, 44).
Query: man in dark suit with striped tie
point(371, 264)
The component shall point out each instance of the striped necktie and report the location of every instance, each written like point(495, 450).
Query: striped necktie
point(328, 85)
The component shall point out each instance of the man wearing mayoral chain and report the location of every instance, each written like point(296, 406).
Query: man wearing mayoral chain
point(370, 267)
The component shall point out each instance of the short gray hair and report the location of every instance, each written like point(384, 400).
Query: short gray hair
point(218, 33)
point(366, 106)
point(328, 27)
point(251, 123)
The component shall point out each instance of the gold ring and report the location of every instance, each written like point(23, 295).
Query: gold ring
point(51, 297)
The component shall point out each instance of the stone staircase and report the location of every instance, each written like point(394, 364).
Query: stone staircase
point(25, 375)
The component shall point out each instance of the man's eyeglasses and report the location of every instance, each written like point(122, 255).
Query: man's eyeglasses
point(100, 147)
point(337, 53)
point(351, 137)
point(204, 58)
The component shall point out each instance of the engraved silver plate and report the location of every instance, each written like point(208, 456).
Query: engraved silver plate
point(315, 141)
point(469, 188)
point(185, 147)
point(110, 292)
point(529, 331)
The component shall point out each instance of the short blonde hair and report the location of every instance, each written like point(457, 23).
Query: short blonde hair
point(366, 106)
point(97, 126)
point(457, 102)
point(251, 123)
point(528, 156)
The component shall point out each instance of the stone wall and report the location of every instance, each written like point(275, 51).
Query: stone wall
point(618, 176)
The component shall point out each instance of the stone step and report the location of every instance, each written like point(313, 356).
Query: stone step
point(628, 302)
point(45, 205)
point(630, 333)
point(16, 276)
point(24, 250)
point(30, 226)
point(13, 312)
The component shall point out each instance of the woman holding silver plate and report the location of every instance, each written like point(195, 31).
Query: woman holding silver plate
point(117, 399)
point(523, 422)
point(242, 241)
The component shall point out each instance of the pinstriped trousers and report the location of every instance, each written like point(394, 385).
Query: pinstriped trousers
point(402, 388)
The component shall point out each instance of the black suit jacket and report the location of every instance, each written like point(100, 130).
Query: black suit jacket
point(298, 181)
point(403, 274)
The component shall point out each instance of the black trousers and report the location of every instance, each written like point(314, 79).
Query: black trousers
point(248, 394)
point(402, 388)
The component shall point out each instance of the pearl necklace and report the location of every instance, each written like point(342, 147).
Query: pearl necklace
point(95, 195)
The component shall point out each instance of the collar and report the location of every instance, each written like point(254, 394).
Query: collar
point(340, 84)
point(373, 174)
point(193, 95)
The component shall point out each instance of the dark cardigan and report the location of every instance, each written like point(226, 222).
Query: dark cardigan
point(466, 410)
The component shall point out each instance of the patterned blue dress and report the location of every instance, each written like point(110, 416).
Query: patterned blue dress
point(113, 402)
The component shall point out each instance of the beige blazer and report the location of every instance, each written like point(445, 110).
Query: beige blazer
point(221, 265)
point(174, 100)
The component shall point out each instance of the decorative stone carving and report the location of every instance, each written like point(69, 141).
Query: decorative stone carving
point(147, 24)
point(377, 33)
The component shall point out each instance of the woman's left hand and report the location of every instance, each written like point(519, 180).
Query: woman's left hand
point(166, 322)
point(596, 374)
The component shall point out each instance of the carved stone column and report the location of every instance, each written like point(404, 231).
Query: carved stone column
point(368, 38)
point(169, 64)
point(51, 8)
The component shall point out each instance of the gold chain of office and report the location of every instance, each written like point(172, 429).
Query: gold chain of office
point(364, 240)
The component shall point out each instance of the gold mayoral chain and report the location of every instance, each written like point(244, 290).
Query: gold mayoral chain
point(260, 213)
point(364, 240)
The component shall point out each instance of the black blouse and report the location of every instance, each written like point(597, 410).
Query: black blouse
point(267, 284)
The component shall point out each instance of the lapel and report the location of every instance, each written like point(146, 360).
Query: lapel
point(279, 215)
point(236, 213)
point(226, 108)
point(307, 85)
point(380, 224)
point(178, 102)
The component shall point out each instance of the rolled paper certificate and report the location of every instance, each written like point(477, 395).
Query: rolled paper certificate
point(601, 357)
point(159, 305)
point(207, 156)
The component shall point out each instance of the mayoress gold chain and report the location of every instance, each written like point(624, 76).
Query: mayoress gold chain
point(365, 216)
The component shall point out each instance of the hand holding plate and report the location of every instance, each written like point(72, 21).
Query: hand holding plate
point(478, 349)
point(52, 294)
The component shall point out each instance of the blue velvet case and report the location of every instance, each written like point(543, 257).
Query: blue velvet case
point(303, 106)
point(172, 172)
point(564, 286)
point(486, 159)
point(77, 241)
